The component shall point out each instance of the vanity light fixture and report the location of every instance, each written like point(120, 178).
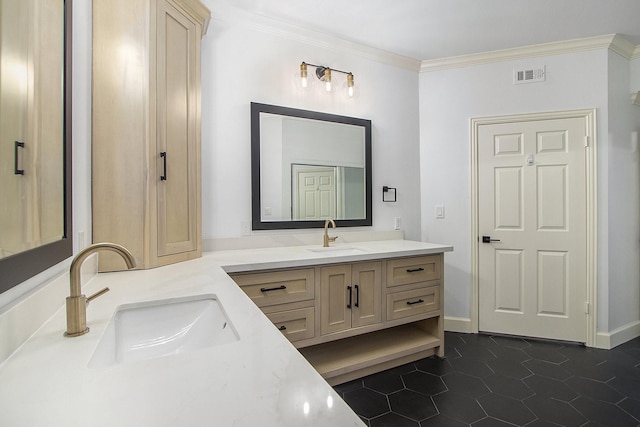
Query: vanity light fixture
point(324, 74)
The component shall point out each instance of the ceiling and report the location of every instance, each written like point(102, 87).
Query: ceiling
point(430, 29)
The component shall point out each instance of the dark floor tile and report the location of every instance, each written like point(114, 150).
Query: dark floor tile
point(424, 383)
point(506, 409)
point(478, 339)
point(434, 365)
point(594, 390)
point(465, 384)
point(548, 387)
point(547, 369)
point(388, 381)
point(508, 386)
point(367, 403)
point(393, 420)
point(442, 421)
point(513, 342)
point(509, 353)
point(491, 422)
point(545, 352)
point(632, 407)
point(509, 368)
point(412, 405)
point(585, 368)
point(627, 385)
point(471, 366)
point(351, 385)
point(458, 406)
point(603, 413)
point(542, 423)
point(555, 411)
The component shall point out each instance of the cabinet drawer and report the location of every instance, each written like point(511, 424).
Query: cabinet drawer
point(410, 303)
point(296, 324)
point(403, 271)
point(277, 287)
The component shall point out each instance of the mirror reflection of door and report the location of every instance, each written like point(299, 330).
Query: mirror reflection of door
point(31, 124)
point(314, 192)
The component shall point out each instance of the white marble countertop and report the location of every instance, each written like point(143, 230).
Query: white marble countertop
point(261, 379)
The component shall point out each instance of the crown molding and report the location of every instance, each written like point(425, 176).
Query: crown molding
point(237, 17)
point(636, 53)
point(611, 41)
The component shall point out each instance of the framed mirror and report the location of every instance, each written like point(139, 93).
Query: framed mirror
point(307, 167)
point(35, 137)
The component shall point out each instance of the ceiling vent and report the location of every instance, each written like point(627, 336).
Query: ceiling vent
point(532, 75)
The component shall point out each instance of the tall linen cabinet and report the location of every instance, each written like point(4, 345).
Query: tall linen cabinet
point(146, 129)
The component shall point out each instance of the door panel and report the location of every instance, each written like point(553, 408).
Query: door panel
point(367, 307)
point(532, 204)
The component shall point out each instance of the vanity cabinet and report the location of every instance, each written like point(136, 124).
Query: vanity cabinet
point(146, 129)
point(354, 319)
point(350, 296)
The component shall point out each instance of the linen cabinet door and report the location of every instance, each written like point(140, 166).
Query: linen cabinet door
point(336, 298)
point(177, 152)
point(367, 293)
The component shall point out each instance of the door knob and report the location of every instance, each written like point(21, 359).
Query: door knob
point(488, 239)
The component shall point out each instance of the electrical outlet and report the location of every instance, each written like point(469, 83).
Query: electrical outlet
point(440, 211)
point(245, 228)
point(396, 223)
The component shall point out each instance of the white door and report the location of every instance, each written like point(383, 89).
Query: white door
point(315, 194)
point(532, 209)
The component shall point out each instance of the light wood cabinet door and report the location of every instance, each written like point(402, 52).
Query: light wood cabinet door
point(146, 129)
point(350, 296)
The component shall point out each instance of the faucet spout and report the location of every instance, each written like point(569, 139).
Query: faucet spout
point(327, 239)
point(76, 301)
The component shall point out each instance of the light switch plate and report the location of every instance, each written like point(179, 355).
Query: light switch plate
point(439, 211)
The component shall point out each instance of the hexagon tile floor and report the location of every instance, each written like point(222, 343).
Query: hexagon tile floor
point(502, 381)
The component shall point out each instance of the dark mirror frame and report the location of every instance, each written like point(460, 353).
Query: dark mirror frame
point(17, 268)
point(257, 223)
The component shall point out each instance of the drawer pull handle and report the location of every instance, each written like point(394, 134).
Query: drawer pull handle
point(17, 171)
point(282, 328)
point(279, 288)
point(415, 302)
point(163, 155)
point(413, 270)
point(350, 296)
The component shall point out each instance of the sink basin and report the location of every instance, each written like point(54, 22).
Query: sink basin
point(338, 250)
point(159, 328)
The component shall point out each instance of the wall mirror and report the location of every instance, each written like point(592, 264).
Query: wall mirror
point(35, 137)
point(307, 167)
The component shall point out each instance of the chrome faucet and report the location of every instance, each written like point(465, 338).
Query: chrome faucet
point(328, 239)
point(77, 302)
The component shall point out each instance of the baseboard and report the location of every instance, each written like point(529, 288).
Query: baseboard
point(609, 340)
point(457, 324)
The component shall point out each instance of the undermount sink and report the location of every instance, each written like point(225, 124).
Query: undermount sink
point(159, 328)
point(339, 250)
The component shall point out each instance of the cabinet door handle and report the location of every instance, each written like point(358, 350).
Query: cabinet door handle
point(415, 302)
point(279, 288)
point(282, 328)
point(15, 161)
point(357, 296)
point(413, 270)
point(350, 296)
point(163, 155)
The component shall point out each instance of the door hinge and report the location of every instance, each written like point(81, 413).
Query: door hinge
point(586, 307)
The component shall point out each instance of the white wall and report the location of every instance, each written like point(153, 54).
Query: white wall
point(594, 79)
point(243, 62)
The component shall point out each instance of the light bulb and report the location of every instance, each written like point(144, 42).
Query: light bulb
point(350, 84)
point(327, 79)
point(303, 75)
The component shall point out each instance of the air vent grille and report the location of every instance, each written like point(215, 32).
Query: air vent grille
point(532, 75)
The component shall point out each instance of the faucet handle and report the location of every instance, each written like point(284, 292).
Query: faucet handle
point(333, 239)
point(97, 294)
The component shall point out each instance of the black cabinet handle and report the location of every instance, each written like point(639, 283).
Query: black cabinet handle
point(357, 296)
point(415, 302)
point(163, 155)
point(282, 328)
point(350, 297)
point(279, 288)
point(413, 270)
point(15, 161)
